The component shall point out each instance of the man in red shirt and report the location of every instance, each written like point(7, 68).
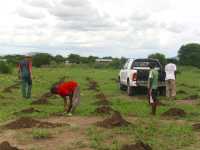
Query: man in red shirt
point(67, 90)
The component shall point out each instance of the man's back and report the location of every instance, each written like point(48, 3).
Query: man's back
point(170, 71)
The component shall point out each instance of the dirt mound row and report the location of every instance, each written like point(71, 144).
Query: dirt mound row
point(6, 146)
point(10, 88)
point(102, 99)
point(41, 101)
point(93, 85)
point(174, 112)
point(104, 110)
point(26, 122)
point(27, 110)
point(116, 120)
point(101, 96)
point(138, 146)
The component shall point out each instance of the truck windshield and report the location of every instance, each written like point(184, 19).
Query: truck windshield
point(145, 64)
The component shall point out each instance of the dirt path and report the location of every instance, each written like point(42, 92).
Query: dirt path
point(72, 137)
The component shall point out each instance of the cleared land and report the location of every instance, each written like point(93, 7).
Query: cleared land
point(100, 98)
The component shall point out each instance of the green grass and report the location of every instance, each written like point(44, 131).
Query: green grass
point(156, 131)
point(40, 134)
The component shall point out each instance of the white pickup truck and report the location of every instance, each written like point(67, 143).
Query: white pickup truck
point(135, 74)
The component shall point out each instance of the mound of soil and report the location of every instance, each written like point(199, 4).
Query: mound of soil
point(10, 88)
point(175, 112)
point(101, 96)
point(6, 146)
point(28, 110)
point(41, 101)
point(196, 126)
point(102, 102)
point(104, 110)
point(138, 146)
point(116, 120)
point(47, 95)
point(93, 85)
point(26, 122)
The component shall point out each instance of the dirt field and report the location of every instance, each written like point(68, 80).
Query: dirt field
point(106, 119)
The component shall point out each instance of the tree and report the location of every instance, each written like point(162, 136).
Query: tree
point(189, 54)
point(74, 58)
point(160, 57)
point(59, 59)
point(41, 59)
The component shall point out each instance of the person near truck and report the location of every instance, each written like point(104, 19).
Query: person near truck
point(25, 75)
point(70, 92)
point(170, 70)
point(153, 87)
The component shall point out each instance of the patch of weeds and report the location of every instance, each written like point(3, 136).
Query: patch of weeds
point(41, 134)
point(165, 135)
point(97, 139)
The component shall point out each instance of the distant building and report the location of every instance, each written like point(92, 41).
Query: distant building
point(101, 60)
point(67, 62)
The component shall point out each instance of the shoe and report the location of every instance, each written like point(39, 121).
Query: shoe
point(69, 114)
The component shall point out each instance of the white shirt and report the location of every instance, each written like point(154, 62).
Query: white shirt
point(170, 71)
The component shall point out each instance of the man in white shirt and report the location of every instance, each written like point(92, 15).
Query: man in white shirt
point(170, 70)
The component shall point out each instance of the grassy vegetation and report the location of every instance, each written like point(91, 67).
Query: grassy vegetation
point(157, 131)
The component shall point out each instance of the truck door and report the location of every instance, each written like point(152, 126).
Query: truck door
point(123, 73)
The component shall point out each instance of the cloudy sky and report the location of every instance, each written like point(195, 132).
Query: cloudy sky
point(131, 28)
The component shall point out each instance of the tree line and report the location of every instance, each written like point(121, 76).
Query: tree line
point(188, 54)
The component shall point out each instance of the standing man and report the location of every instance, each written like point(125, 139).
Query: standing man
point(69, 91)
point(153, 87)
point(170, 70)
point(25, 75)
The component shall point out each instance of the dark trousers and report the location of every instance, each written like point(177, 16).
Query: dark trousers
point(154, 94)
point(26, 84)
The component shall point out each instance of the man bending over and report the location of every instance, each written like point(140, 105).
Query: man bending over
point(69, 91)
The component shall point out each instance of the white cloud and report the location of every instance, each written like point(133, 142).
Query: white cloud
point(116, 27)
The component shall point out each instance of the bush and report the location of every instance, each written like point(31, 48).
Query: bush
point(189, 54)
point(5, 68)
point(42, 59)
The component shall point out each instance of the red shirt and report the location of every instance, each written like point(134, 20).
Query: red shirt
point(66, 88)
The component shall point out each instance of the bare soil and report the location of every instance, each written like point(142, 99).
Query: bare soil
point(138, 146)
point(93, 85)
point(104, 110)
point(102, 99)
point(116, 120)
point(174, 112)
point(196, 126)
point(26, 122)
point(6, 146)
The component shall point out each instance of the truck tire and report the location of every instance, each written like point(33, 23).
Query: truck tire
point(129, 90)
point(162, 91)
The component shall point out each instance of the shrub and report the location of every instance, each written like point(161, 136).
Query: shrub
point(5, 68)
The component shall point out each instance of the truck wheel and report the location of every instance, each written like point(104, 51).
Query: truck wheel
point(129, 90)
point(162, 91)
point(122, 87)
